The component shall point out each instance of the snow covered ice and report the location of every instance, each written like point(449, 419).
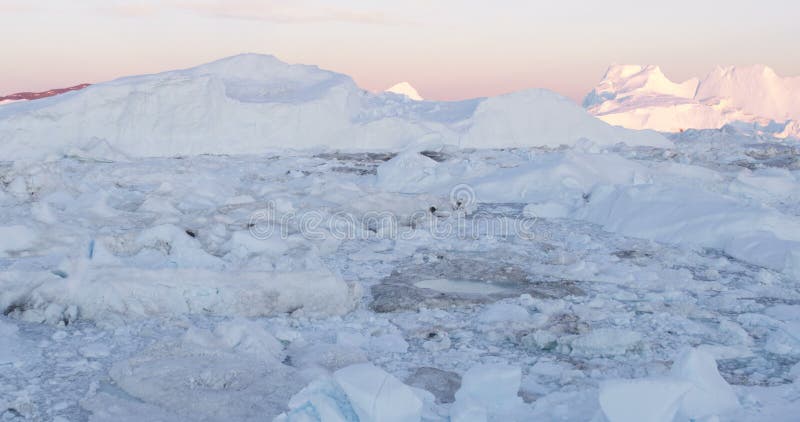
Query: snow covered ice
point(643, 97)
point(406, 89)
point(285, 246)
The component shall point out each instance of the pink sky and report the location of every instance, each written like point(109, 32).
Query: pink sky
point(447, 49)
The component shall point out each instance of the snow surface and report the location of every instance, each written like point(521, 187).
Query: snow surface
point(251, 104)
point(406, 89)
point(642, 97)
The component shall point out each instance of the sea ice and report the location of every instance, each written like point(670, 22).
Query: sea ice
point(646, 400)
point(709, 395)
point(693, 391)
point(377, 395)
point(489, 392)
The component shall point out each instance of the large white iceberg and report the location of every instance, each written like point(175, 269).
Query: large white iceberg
point(642, 97)
point(253, 103)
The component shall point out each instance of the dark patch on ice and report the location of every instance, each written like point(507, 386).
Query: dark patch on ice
point(764, 371)
point(442, 384)
point(746, 164)
point(60, 273)
point(789, 163)
point(399, 297)
point(305, 173)
point(16, 308)
point(769, 150)
point(770, 154)
point(637, 257)
point(360, 157)
point(632, 254)
point(437, 156)
point(361, 171)
point(400, 291)
point(771, 301)
point(527, 396)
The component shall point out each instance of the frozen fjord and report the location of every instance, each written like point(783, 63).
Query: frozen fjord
point(574, 306)
point(165, 257)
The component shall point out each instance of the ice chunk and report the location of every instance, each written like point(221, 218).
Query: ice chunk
point(119, 294)
point(709, 394)
point(490, 383)
point(325, 355)
point(488, 392)
point(442, 384)
point(644, 400)
point(377, 396)
point(693, 391)
point(358, 393)
point(408, 172)
point(321, 401)
point(505, 120)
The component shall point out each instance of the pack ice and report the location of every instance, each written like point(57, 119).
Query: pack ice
point(252, 240)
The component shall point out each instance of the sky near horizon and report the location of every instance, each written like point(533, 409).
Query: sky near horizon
point(447, 49)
